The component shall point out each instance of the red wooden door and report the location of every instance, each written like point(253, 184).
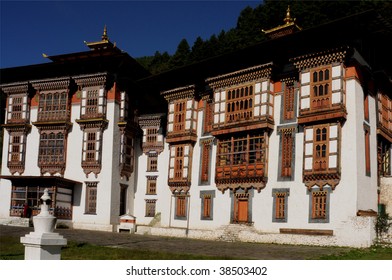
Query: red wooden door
point(242, 211)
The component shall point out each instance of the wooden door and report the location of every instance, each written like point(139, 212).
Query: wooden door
point(242, 210)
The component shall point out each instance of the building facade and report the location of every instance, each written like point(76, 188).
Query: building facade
point(283, 142)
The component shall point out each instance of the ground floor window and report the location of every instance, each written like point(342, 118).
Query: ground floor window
point(27, 199)
point(123, 199)
point(207, 200)
point(280, 205)
point(319, 205)
point(181, 204)
point(150, 207)
point(91, 197)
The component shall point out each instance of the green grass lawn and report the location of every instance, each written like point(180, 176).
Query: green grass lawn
point(12, 249)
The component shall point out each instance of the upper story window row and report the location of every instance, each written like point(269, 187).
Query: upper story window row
point(322, 86)
point(243, 97)
point(18, 102)
point(93, 103)
point(182, 115)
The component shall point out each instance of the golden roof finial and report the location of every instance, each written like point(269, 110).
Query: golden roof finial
point(105, 34)
point(288, 18)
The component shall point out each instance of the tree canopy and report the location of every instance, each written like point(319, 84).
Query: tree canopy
point(250, 23)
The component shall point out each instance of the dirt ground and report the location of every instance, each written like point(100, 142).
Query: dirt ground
point(238, 250)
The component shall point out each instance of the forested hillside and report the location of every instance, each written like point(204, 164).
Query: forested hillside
point(249, 27)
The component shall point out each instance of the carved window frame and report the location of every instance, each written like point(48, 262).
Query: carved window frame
point(180, 108)
point(321, 87)
point(53, 105)
point(319, 204)
point(207, 205)
point(152, 162)
point(93, 102)
point(52, 147)
point(91, 198)
point(150, 207)
point(151, 188)
point(280, 205)
point(240, 104)
point(181, 204)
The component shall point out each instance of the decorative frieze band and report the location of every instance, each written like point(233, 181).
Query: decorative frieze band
point(91, 80)
point(321, 58)
point(238, 77)
point(179, 93)
point(15, 88)
point(51, 84)
point(151, 120)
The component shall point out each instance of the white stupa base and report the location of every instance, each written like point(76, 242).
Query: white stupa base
point(43, 246)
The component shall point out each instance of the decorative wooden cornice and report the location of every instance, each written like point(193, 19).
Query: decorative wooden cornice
point(91, 167)
point(246, 184)
point(321, 180)
point(321, 58)
point(90, 80)
point(151, 120)
point(52, 84)
point(181, 137)
point(261, 123)
point(238, 77)
point(336, 112)
point(15, 88)
point(289, 129)
point(179, 187)
point(180, 93)
point(55, 126)
point(24, 128)
point(100, 123)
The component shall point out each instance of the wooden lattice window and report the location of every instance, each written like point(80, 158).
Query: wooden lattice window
point(52, 148)
point(366, 107)
point(319, 204)
point(181, 206)
point(91, 197)
point(287, 154)
point(91, 146)
point(93, 102)
point(207, 204)
point(239, 104)
point(208, 117)
point(123, 199)
point(179, 116)
point(126, 150)
point(288, 102)
point(205, 162)
point(150, 207)
point(151, 185)
point(152, 162)
point(16, 148)
point(367, 150)
point(179, 162)
point(321, 150)
point(321, 89)
point(15, 108)
point(280, 212)
point(53, 106)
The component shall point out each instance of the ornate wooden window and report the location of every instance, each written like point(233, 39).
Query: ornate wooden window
point(17, 108)
point(126, 154)
point(240, 157)
point(319, 204)
point(321, 151)
point(152, 135)
point(206, 148)
point(53, 106)
point(181, 204)
point(320, 88)
point(208, 116)
point(287, 153)
point(289, 102)
point(384, 157)
point(239, 104)
point(207, 199)
point(150, 207)
point(367, 150)
point(180, 157)
point(91, 197)
point(16, 151)
point(152, 162)
point(179, 116)
point(280, 204)
point(91, 153)
point(124, 106)
point(93, 103)
point(385, 114)
point(366, 107)
point(151, 185)
point(51, 148)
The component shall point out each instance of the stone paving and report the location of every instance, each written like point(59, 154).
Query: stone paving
point(236, 250)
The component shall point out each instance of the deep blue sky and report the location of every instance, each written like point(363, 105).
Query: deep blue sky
point(30, 28)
